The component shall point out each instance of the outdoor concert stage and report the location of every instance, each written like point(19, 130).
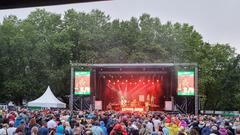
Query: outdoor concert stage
point(130, 87)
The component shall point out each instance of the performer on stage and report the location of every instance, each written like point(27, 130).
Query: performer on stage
point(109, 106)
point(152, 99)
point(123, 97)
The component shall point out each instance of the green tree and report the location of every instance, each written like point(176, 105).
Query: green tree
point(37, 51)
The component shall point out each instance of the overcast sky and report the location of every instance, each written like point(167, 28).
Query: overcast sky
point(218, 21)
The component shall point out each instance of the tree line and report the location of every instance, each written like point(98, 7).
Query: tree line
point(37, 51)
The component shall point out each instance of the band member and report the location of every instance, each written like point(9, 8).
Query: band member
point(147, 106)
point(148, 98)
point(123, 98)
point(134, 103)
point(152, 99)
point(109, 106)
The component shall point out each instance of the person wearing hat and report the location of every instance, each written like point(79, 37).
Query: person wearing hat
point(11, 130)
point(214, 130)
point(19, 118)
point(118, 129)
point(96, 129)
point(102, 125)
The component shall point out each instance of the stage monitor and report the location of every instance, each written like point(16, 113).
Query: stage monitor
point(82, 83)
point(185, 83)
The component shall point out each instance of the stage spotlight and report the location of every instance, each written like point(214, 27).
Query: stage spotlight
point(117, 80)
point(157, 80)
point(114, 83)
point(126, 80)
point(143, 82)
point(130, 83)
point(104, 77)
point(122, 82)
point(135, 83)
point(109, 80)
point(152, 82)
point(139, 80)
point(148, 80)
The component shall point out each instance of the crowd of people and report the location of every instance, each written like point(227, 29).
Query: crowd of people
point(65, 122)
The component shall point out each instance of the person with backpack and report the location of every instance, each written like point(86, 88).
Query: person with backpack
point(144, 130)
point(11, 130)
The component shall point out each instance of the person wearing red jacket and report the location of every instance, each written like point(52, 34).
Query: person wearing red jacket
point(118, 130)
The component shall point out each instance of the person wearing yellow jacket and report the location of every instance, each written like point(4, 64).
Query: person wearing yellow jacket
point(172, 128)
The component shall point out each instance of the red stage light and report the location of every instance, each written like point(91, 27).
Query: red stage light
point(109, 80)
point(117, 80)
point(135, 82)
point(157, 80)
point(152, 82)
point(114, 83)
point(140, 80)
point(143, 82)
point(126, 80)
point(122, 82)
point(131, 83)
point(148, 80)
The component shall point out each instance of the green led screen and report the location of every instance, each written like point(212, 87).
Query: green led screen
point(185, 83)
point(82, 83)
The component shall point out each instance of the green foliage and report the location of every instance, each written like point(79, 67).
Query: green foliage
point(37, 51)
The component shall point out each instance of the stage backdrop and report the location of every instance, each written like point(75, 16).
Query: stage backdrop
point(185, 83)
point(82, 83)
point(132, 93)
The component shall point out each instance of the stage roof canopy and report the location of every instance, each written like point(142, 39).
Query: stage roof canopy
point(7, 4)
point(134, 65)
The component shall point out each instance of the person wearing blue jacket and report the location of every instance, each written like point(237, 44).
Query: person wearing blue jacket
point(206, 130)
point(18, 120)
point(102, 125)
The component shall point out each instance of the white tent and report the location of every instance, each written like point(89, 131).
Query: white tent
point(47, 100)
